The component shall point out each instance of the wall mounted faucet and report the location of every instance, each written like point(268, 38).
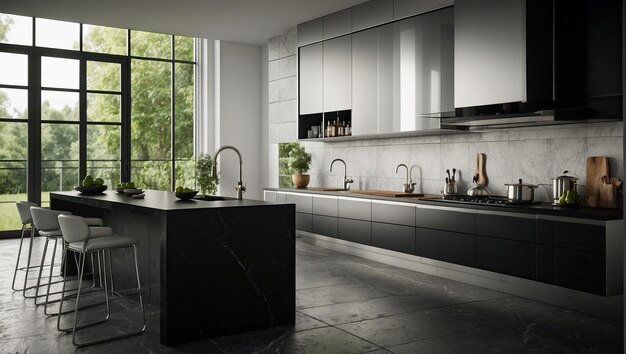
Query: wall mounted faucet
point(240, 186)
point(346, 180)
point(409, 186)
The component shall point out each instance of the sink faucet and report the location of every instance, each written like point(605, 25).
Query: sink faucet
point(346, 180)
point(409, 186)
point(240, 186)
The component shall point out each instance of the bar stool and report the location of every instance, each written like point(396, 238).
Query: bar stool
point(79, 239)
point(23, 208)
point(46, 222)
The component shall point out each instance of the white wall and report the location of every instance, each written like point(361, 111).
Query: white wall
point(238, 120)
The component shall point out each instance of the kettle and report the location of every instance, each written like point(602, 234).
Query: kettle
point(479, 190)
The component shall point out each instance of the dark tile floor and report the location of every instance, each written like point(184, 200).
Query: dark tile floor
point(348, 304)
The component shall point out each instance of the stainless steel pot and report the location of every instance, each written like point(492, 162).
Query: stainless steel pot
point(520, 192)
point(561, 184)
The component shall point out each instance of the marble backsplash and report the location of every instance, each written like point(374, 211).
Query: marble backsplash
point(534, 154)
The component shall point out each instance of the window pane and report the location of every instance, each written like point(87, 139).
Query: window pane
point(103, 153)
point(103, 107)
point(14, 69)
point(150, 110)
point(57, 105)
point(56, 34)
point(185, 173)
point(101, 39)
point(13, 103)
point(60, 73)
point(18, 29)
point(152, 174)
point(59, 158)
point(183, 49)
point(150, 45)
point(184, 111)
point(13, 155)
point(103, 76)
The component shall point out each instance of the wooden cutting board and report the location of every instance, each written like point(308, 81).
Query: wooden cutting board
point(481, 170)
point(597, 166)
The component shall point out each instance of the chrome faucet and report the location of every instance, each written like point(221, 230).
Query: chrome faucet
point(409, 186)
point(346, 180)
point(240, 186)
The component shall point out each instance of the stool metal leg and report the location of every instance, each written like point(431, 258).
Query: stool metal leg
point(54, 252)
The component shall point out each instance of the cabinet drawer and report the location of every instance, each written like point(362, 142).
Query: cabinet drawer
point(446, 220)
point(269, 196)
point(545, 264)
point(304, 222)
point(394, 237)
point(325, 225)
point(520, 229)
point(303, 202)
point(355, 209)
point(446, 246)
point(355, 231)
point(393, 213)
point(582, 237)
point(579, 270)
point(507, 256)
point(281, 197)
point(325, 206)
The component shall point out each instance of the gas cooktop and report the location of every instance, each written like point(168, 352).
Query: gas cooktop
point(493, 200)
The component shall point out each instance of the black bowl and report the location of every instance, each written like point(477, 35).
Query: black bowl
point(186, 195)
point(93, 189)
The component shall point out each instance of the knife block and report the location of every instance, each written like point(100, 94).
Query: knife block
point(608, 196)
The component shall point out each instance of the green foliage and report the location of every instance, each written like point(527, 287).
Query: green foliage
point(205, 178)
point(299, 159)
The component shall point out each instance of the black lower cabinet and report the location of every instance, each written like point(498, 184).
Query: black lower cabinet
point(393, 237)
point(358, 231)
point(453, 247)
point(304, 222)
point(579, 270)
point(325, 225)
point(545, 264)
point(507, 256)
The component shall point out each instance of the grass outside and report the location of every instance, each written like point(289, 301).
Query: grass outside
point(9, 218)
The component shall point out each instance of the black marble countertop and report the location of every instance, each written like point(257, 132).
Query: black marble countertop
point(155, 200)
point(535, 208)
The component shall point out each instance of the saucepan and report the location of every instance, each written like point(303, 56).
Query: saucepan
point(520, 192)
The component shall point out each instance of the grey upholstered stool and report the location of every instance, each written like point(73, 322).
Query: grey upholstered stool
point(79, 240)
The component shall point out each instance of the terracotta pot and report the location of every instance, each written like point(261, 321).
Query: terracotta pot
point(300, 181)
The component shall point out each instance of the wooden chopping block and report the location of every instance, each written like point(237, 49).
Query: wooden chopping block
point(608, 196)
point(597, 166)
point(481, 170)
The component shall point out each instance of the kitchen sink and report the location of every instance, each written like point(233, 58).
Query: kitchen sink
point(385, 193)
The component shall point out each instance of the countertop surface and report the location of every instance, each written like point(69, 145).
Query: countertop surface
point(435, 200)
point(157, 200)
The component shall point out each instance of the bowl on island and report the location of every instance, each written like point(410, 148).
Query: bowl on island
point(186, 195)
point(92, 189)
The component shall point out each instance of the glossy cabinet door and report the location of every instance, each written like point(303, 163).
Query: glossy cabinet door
point(407, 8)
point(371, 13)
point(337, 74)
point(311, 78)
point(365, 82)
point(337, 24)
point(489, 52)
point(310, 32)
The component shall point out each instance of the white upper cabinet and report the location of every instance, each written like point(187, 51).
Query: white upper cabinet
point(311, 78)
point(365, 82)
point(338, 74)
point(407, 8)
point(337, 24)
point(310, 32)
point(371, 13)
point(489, 52)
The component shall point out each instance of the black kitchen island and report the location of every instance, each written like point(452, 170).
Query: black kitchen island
point(214, 267)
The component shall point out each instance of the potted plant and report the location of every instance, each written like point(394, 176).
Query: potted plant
point(204, 175)
point(300, 162)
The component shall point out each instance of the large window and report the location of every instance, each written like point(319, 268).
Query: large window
point(78, 99)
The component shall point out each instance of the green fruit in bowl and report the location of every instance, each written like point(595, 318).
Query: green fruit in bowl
point(119, 185)
point(130, 185)
point(179, 189)
point(88, 182)
point(186, 190)
point(99, 182)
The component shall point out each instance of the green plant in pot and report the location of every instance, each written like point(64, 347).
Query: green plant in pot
point(300, 162)
point(204, 175)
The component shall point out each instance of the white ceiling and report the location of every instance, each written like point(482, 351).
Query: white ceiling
point(244, 21)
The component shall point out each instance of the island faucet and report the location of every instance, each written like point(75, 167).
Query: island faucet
point(346, 180)
point(409, 186)
point(240, 186)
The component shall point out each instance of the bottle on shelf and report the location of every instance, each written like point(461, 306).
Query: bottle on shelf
point(348, 129)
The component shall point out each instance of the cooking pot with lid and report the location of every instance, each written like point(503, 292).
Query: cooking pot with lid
point(520, 192)
point(561, 184)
